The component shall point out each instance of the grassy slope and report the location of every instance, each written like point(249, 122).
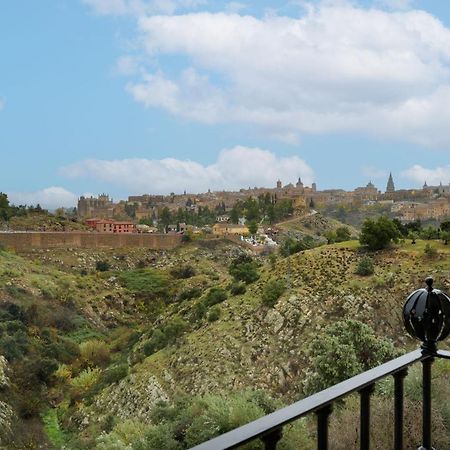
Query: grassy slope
point(253, 347)
point(249, 346)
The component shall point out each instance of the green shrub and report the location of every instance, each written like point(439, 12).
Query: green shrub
point(115, 373)
point(94, 352)
point(145, 282)
point(80, 385)
point(377, 234)
point(365, 267)
point(237, 289)
point(342, 350)
point(189, 294)
point(198, 311)
point(183, 272)
point(167, 335)
point(430, 252)
point(102, 266)
point(273, 290)
point(244, 268)
point(214, 314)
point(214, 296)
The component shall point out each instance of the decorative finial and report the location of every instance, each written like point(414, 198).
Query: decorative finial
point(429, 282)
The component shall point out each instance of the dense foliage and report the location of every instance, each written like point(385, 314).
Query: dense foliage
point(377, 234)
point(342, 350)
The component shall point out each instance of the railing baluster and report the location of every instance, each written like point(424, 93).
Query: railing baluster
point(426, 393)
point(271, 440)
point(398, 408)
point(322, 426)
point(365, 416)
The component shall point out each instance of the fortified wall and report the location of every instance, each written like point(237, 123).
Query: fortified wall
point(27, 240)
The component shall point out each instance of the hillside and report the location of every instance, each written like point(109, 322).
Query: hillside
point(108, 346)
point(314, 224)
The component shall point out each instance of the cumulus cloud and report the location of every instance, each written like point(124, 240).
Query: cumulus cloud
point(235, 168)
point(338, 68)
point(49, 198)
point(433, 177)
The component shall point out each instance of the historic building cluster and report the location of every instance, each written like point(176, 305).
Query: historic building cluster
point(104, 215)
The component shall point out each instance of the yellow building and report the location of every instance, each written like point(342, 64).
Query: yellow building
point(222, 229)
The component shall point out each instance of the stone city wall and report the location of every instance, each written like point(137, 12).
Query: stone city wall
point(27, 240)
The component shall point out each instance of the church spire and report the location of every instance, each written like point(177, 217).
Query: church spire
point(390, 184)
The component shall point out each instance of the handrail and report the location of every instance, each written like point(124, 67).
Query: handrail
point(314, 403)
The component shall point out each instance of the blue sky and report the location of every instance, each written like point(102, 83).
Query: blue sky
point(134, 96)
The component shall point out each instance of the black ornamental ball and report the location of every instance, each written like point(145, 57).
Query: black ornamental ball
point(426, 314)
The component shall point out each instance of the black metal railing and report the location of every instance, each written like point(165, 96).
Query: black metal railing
point(269, 428)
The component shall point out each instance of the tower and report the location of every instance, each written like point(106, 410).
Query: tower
point(390, 184)
point(279, 185)
point(299, 183)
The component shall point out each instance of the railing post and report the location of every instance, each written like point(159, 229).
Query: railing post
point(322, 426)
point(365, 416)
point(398, 408)
point(426, 399)
point(271, 440)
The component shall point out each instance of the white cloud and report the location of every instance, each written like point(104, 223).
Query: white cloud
point(339, 68)
point(235, 168)
point(140, 7)
point(373, 172)
point(433, 177)
point(2, 104)
point(49, 198)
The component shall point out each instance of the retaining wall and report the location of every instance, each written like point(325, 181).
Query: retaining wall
point(27, 240)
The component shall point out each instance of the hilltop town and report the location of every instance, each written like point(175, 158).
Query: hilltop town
point(221, 212)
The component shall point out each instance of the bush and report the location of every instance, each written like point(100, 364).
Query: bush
point(342, 234)
point(94, 353)
point(378, 234)
point(237, 289)
point(167, 335)
point(115, 373)
point(189, 294)
point(430, 252)
point(365, 267)
point(214, 314)
point(85, 381)
point(244, 268)
point(183, 272)
point(273, 290)
point(145, 282)
point(215, 295)
point(343, 350)
point(102, 266)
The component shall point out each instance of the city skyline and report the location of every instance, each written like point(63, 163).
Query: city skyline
point(141, 96)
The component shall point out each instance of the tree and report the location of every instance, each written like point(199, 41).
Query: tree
point(365, 267)
point(342, 234)
point(4, 207)
point(377, 234)
point(445, 236)
point(343, 350)
point(413, 236)
point(244, 268)
point(273, 290)
point(429, 233)
point(445, 225)
point(252, 227)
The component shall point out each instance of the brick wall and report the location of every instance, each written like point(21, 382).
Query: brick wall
point(25, 241)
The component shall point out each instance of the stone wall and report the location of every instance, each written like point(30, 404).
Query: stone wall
point(25, 241)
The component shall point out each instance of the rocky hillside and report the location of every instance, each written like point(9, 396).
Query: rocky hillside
point(121, 331)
